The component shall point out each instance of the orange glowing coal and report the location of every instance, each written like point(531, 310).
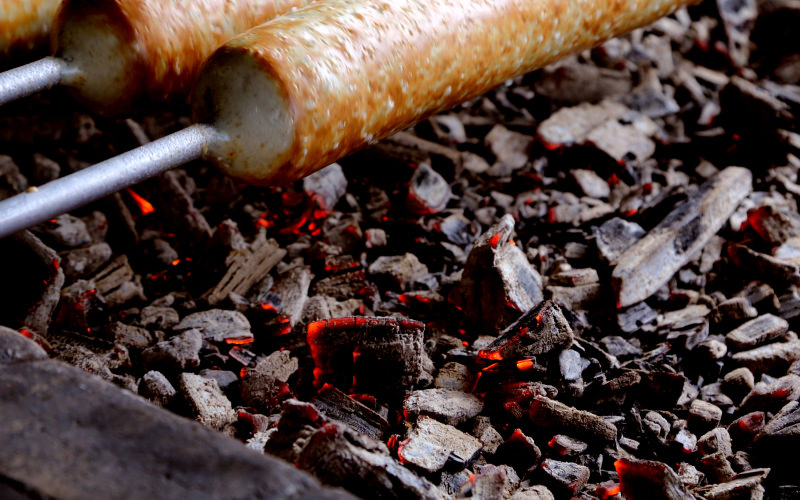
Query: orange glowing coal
point(524, 364)
point(241, 341)
point(144, 206)
point(495, 240)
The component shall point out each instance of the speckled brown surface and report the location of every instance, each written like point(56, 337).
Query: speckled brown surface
point(24, 24)
point(171, 39)
point(357, 71)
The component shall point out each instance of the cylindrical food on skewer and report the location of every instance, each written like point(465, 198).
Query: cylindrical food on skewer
point(113, 53)
point(299, 92)
point(25, 25)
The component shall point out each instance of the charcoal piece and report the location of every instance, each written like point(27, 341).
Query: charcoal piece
point(15, 347)
point(454, 376)
point(81, 308)
point(656, 425)
point(557, 417)
point(280, 365)
point(263, 391)
point(747, 485)
point(660, 389)
point(565, 479)
point(485, 431)
point(33, 277)
point(650, 480)
point(566, 446)
point(245, 268)
point(218, 325)
point(492, 482)
point(319, 307)
point(448, 406)
point(703, 416)
point(180, 353)
point(130, 336)
point(430, 444)
point(338, 456)
point(44, 169)
point(539, 331)
point(509, 147)
point(225, 379)
point(623, 143)
point(747, 106)
point(158, 317)
point(772, 358)
point(571, 365)
point(715, 440)
point(328, 184)
point(339, 407)
point(574, 82)
point(650, 263)
point(118, 283)
point(716, 467)
point(773, 226)
point(83, 261)
point(538, 492)
point(738, 382)
point(569, 126)
point(519, 451)
point(771, 396)
point(590, 183)
point(745, 428)
point(344, 231)
point(575, 277)
point(428, 191)
point(401, 270)
point(766, 267)
point(615, 236)
point(177, 207)
point(756, 332)
point(65, 231)
point(498, 282)
point(781, 433)
point(289, 294)
point(636, 316)
point(376, 237)
point(735, 309)
point(711, 349)
point(619, 347)
point(385, 355)
point(155, 387)
point(206, 402)
point(458, 229)
point(343, 286)
point(576, 297)
point(650, 97)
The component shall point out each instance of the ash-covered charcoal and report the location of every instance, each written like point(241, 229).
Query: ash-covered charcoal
point(339, 456)
point(428, 191)
point(491, 481)
point(509, 147)
point(615, 236)
point(745, 485)
point(245, 267)
point(82, 307)
point(378, 355)
point(403, 271)
point(556, 417)
point(654, 259)
point(338, 406)
point(288, 296)
point(157, 388)
point(454, 376)
point(758, 331)
point(498, 282)
point(563, 478)
point(205, 401)
point(539, 331)
point(431, 444)
point(569, 126)
point(218, 325)
point(118, 283)
point(179, 353)
point(329, 184)
point(263, 386)
point(649, 479)
point(770, 358)
point(449, 406)
point(519, 451)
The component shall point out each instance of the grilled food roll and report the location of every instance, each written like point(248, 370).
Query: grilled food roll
point(297, 93)
point(25, 25)
point(120, 51)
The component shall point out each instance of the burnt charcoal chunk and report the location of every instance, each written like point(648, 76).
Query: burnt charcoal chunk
point(649, 480)
point(338, 406)
point(757, 331)
point(338, 456)
point(402, 270)
point(155, 387)
point(518, 451)
point(431, 444)
point(563, 478)
point(206, 402)
point(448, 406)
point(498, 282)
point(328, 184)
point(15, 347)
point(217, 325)
point(556, 417)
point(615, 236)
point(428, 191)
point(381, 354)
point(539, 331)
point(180, 353)
point(704, 416)
point(772, 358)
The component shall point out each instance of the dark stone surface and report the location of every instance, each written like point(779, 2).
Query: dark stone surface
point(67, 434)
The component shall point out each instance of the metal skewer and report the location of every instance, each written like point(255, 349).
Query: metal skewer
point(30, 78)
point(72, 191)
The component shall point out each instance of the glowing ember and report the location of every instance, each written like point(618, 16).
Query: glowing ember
point(145, 207)
point(525, 364)
point(240, 341)
point(495, 240)
point(490, 355)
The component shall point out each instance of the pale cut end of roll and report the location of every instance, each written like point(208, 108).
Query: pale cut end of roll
point(25, 25)
point(252, 113)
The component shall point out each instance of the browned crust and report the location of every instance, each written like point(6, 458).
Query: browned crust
point(25, 25)
point(357, 71)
